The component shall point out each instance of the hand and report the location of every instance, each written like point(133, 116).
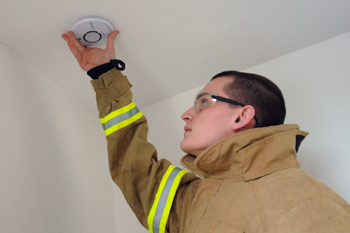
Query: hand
point(89, 58)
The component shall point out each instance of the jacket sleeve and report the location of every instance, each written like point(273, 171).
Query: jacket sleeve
point(133, 161)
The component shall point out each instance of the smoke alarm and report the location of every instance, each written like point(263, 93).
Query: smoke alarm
point(92, 31)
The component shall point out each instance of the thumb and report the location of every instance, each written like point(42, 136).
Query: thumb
point(111, 39)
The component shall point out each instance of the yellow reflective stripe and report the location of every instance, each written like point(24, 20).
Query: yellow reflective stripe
point(159, 214)
point(118, 112)
point(123, 124)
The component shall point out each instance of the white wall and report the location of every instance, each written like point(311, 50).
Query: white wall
point(53, 176)
point(316, 84)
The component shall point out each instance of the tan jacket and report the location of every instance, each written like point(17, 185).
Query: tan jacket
point(250, 181)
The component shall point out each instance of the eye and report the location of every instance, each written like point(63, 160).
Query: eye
point(203, 101)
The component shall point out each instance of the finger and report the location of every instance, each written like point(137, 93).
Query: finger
point(65, 37)
point(76, 44)
point(111, 39)
point(69, 43)
point(72, 48)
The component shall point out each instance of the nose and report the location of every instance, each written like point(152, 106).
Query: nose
point(188, 115)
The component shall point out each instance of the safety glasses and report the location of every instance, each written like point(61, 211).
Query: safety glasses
point(208, 98)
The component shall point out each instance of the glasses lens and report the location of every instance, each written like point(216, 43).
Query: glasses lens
point(203, 99)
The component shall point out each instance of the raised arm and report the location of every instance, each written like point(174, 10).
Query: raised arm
point(153, 189)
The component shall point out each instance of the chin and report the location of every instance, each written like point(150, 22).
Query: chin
point(192, 148)
point(189, 150)
point(183, 148)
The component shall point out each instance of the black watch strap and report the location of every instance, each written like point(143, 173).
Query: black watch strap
point(94, 73)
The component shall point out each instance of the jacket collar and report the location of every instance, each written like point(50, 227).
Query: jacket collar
point(249, 154)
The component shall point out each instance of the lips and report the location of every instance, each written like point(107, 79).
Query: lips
point(187, 129)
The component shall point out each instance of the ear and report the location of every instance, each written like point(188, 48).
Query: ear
point(245, 119)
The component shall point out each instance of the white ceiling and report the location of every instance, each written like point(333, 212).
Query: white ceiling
point(169, 46)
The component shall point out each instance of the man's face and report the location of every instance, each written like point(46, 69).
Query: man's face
point(210, 124)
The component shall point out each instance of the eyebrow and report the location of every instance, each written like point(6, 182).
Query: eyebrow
point(200, 95)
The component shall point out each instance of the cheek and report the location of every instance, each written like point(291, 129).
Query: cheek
point(213, 125)
point(214, 129)
point(220, 126)
point(206, 130)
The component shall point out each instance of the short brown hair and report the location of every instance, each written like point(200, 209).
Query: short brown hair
point(259, 92)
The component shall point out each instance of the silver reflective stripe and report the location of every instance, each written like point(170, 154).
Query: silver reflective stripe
point(116, 120)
